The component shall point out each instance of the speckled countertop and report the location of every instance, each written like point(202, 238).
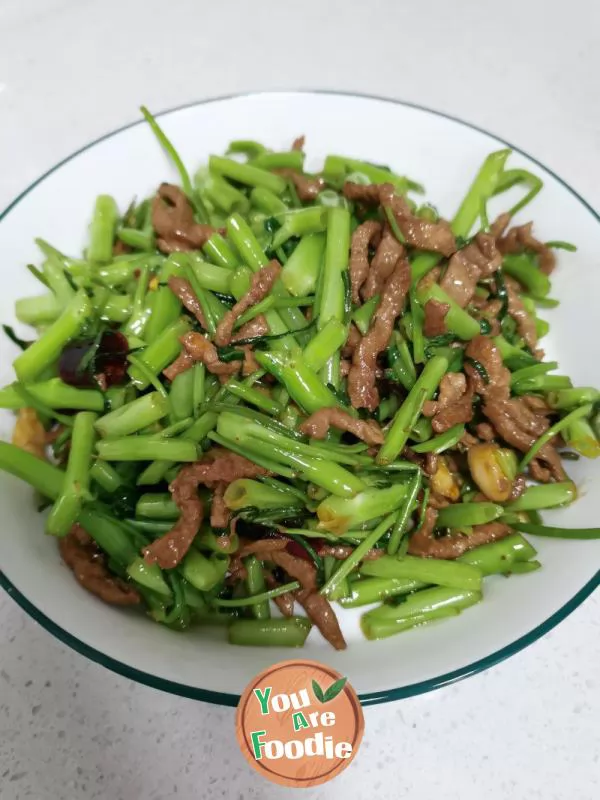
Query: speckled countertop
point(69, 71)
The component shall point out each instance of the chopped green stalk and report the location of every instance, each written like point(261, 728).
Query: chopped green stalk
point(245, 242)
point(426, 600)
point(255, 599)
point(147, 448)
point(553, 430)
point(105, 476)
point(557, 533)
point(44, 477)
point(279, 632)
point(211, 277)
point(37, 311)
point(139, 240)
point(425, 570)
point(219, 252)
point(303, 384)
point(181, 397)
point(549, 495)
point(164, 306)
point(445, 441)
point(301, 272)
point(463, 515)
point(570, 398)
point(514, 177)
point(54, 273)
point(266, 201)
point(364, 314)
point(54, 394)
point(522, 267)
point(291, 159)
point(374, 628)
point(359, 552)
point(246, 493)
point(421, 430)
point(581, 437)
point(336, 263)
point(338, 514)
point(200, 571)
point(375, 590)
point(150, 576)
point(102, 230)
point(542, 383)
point(400, 361)
point(31, 362)
point(257, 457)
point(499, 557)
point(409, 411)
point(156, 506)
point(322, 346)
point(300, 222)
point(225, 196)
point(457, 320)
point(400, 528)
point(255, 397)
point(255, 585)
point(337, 168)
point(139, 308)
point(160, 353)
point(532, 372)
point(223, 544)
point(247, 174)
point(134, 416)
point(76, 484)
point(247, 147)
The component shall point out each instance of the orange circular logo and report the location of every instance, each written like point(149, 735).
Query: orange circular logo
point(299, 723)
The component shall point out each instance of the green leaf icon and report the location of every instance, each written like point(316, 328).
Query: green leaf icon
point(318, 692)
point(335, 688)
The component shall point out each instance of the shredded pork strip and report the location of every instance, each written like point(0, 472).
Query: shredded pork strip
point(260, 286)
point(419, 233)
point(454, 404)
point(318, 424)
point(520, 239)
point(182, 289)
point(308, 187)
point(434, 323)
point(423, 542)
point(202, 349)
point(361, 378)
point(217, 467)
point(173, 221)
point(478, 260)
point(363, 237)
point(317, 607)
point(388, 252)
point(88, 564)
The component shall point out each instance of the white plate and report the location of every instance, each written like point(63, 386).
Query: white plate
point(444, 154)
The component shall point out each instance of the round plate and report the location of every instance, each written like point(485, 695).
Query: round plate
point(443, 153)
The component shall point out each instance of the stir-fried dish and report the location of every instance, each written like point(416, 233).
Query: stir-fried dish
point(264, 394)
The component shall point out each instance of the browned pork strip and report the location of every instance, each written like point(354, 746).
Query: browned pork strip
point(298, 143)
point(365, 235)
point(318, 424)
point(260, 286)
point(173, 221)
point(389, 250)
point(420, 233)
point(182, 289)
point(477, 260)
point(361, 378)
point(434, 323)
point(262, 548)
point(182, 363)
point(454, 404)
point(423, 543)
point(219, 513)
point(88, 564)
point(484, 351)
point(319, 611)
point(201, 349)
point(525, 323)
point(521, 238)
point(217, 467)
point(255, 327)
point(308, 187)
point(284, 602)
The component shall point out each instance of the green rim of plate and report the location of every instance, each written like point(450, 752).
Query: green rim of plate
point(369, 698)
